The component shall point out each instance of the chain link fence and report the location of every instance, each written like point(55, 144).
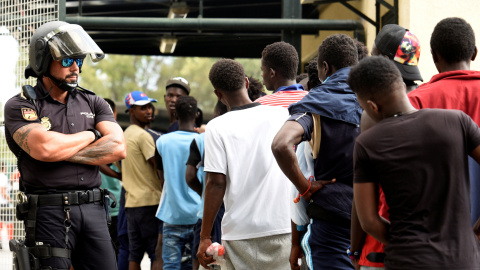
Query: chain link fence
point(18, 20)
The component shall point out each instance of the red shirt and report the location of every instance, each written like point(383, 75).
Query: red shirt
point(459, 90)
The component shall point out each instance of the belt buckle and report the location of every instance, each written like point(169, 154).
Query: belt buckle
point(82, 197)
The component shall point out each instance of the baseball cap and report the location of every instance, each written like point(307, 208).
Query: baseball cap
point(137, 98)
point(180, 82)
point(401, 46)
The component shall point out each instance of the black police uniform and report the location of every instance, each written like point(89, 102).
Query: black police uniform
point(88, 237)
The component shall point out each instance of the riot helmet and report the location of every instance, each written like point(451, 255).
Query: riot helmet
point(57, 40)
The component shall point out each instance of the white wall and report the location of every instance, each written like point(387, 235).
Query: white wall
point(421, 16)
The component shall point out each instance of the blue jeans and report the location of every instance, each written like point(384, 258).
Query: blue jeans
point(176, 238)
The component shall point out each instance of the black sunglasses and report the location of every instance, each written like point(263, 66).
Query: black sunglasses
point(68, 62)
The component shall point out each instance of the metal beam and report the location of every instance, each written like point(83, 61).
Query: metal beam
point(387, 5)
point(292, 10)
point(62, 10)
point(359, 13)
point(196, 24)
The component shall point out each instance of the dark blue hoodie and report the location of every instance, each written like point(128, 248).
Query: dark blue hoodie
point(340, 115)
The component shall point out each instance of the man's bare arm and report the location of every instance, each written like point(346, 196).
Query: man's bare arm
point(366, 204)
point(282, 147)
point(476, 154)
point(50, 146)
point(110, 148)
point(109, 172)
point(192, 180)
point(216, 185)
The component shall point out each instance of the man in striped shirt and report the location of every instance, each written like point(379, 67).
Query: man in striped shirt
point(279, 69)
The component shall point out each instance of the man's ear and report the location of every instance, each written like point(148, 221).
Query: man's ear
point(373, 107)
point(271, 72)
point(434, 56)
point(247, 82)
point(474, 55)
point(326, 67)
point(218, 94)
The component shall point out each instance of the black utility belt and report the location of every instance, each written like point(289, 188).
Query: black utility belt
point(74, 197)
point(70, 197)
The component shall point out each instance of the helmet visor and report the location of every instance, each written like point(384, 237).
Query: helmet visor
point(70, 41)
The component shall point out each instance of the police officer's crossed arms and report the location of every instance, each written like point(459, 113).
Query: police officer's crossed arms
point(60, 133)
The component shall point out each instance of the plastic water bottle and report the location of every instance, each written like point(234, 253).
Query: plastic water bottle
point(217, 251)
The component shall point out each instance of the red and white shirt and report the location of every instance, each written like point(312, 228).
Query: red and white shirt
point(284, 96)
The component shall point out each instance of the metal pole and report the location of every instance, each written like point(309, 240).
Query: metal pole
point(62, 10)
point(293, 10)
point(194, 24)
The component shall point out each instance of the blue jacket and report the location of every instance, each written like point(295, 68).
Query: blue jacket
point(337, 104)
point(333, 99)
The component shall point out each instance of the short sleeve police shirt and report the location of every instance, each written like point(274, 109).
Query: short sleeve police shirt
point(82, 111)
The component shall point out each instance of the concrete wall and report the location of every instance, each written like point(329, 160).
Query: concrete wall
point(422, 16)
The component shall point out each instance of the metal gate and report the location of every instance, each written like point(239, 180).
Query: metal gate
point(18, 20)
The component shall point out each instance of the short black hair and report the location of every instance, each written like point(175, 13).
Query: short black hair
point(220, 108)
point(374, 77)
point(281, 57)
point(453, 39)
point(255, 89)
point(111, 103)
point(362, 50)
point(227, 75)
point(186, 108)
point(339, 51)
point(300, 77)
point(199, 118)
point(312, 70)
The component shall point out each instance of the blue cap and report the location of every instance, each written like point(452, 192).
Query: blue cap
point(137, 98)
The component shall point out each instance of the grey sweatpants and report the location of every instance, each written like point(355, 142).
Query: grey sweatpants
point(264, 253)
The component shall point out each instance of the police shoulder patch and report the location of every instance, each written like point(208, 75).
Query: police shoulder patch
point(29, 114)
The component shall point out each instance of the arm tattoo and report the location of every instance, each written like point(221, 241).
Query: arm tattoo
point(21, 136)
point(94, 152)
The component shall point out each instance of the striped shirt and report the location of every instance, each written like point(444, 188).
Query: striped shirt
point(282, 98)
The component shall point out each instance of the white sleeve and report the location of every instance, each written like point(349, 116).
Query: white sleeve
point(215, 151)
point(298, 211)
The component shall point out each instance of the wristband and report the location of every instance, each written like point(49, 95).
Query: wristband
point(297, 199)
point(353, 255)
point(97, 134)
point(206, 237)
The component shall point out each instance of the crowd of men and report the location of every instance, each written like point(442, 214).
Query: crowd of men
point(353, 166)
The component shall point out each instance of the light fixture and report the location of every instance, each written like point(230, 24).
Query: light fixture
point(178, 10)
point(168, 44)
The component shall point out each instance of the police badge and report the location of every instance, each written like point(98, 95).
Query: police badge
point(46, 122)
point(29, 114)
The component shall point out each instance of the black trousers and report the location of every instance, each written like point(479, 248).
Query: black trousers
point(88, 237)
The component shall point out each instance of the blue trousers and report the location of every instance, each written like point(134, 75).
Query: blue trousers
point(325, 246)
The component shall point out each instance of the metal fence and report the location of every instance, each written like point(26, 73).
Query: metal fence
point(18, 20)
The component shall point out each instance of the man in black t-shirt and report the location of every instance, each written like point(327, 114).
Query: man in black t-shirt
point(419, 158)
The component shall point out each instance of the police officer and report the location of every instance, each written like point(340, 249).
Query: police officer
point(60, 133)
